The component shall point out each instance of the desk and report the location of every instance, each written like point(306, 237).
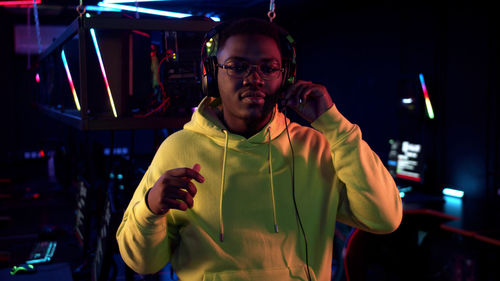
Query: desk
point(440, 238)
point(466, 216)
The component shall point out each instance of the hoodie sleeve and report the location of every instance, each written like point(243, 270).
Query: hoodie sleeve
point(369, 199)
point(143, 239)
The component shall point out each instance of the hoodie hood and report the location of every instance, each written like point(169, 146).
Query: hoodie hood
point(205, 121)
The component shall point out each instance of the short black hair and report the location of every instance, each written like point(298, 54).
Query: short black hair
point(250, 26)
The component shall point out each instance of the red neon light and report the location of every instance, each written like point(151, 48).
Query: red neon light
point(18, 3)
point(141, 33)
point(354, 235)
point(408, 177)
point(42, 153)
point(424, 90)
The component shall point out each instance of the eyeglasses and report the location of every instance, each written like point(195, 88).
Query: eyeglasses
point(267, 70)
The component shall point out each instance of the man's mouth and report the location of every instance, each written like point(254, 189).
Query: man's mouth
point(253, 96)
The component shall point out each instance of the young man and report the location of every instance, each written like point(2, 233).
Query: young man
point(261, 199)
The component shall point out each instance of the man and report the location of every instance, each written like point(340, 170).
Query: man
point(262, 195)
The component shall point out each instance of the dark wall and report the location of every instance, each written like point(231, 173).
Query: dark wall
point(368, 56)
point(468, 84)
point(364, 54)
point(6, 90)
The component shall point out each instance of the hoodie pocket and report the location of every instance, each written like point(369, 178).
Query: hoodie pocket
point(273, 274)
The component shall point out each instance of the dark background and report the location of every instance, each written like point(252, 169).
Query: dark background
point(367, 53)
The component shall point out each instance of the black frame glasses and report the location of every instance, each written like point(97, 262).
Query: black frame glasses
point(240, 70)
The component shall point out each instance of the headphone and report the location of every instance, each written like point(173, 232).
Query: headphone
point(209, 64)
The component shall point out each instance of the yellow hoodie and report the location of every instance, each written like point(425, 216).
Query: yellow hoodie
point(243, 225)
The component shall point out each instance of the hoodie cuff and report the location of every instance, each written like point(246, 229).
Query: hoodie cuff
point(333, 122)
point(145, 218)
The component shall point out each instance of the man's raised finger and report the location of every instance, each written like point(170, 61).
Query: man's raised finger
point(179, 195)
point(187, 172)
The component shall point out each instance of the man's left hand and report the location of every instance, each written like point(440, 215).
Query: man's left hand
point(309, 100)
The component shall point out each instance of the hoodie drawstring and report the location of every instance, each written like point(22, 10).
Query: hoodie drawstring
point(223, 179)
point(269, 159)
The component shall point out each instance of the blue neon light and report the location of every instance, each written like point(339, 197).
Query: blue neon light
point(392, 163)
point(101, 9)
point(453, 192)
point(111, 6)
point(144, 10)
point(215, 18)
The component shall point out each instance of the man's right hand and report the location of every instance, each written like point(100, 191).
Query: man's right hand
point(174, 190)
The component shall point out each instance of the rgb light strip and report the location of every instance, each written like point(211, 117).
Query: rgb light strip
point(97, 50)
point(428, 105)
point(70, 80)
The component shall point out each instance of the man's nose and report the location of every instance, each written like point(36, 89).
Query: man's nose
point(254, 76)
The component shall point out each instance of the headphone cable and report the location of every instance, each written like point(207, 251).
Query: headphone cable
point(293, 196)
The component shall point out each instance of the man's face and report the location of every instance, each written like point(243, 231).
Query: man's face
point(251, 98)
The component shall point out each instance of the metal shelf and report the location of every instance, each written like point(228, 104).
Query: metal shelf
point(80, 29)
point(73, 118)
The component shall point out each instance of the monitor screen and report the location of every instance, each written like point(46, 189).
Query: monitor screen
point(406, 162)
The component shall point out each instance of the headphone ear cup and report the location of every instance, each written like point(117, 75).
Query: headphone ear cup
point(204, 82)
point(209, 68)
point(210, 78)
point(209, 85)
point(288, 59)
point(288, 74)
